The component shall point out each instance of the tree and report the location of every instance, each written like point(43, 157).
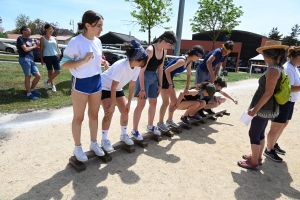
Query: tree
point(292, 40)
point(21, 20)
point(151, 13)
point(216, 16)
point(274, 34)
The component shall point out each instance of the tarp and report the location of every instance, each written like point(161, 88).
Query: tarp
point(258, 57)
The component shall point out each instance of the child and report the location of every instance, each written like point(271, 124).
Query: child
point(113, 81)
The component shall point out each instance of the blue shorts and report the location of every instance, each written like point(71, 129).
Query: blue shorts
point(285, 112)
point(29, 67)
point(52, 61)
point(201, 76)
point(150, 83)
point(89, 85)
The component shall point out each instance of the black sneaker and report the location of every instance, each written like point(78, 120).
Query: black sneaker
point(272, 155)
point(195, 117)
point(201, 113)
point(209, 111)
point(279, 150)
point(184, 120)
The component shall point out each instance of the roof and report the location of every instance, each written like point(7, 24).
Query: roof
point(240, 31)
point(37, 36)
point(124, 37)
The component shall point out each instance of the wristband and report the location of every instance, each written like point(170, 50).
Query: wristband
point(142, 90)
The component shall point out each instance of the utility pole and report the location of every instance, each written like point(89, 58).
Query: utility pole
point(179, 27)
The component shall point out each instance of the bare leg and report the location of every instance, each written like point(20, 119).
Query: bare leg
point(281, 130)
point(138, 112)
point(164, 105)
point(27, 83)
point(189, 106)
point(151, 111)
point(93, 110)
point(35, 81)
point(51, 76)
point(106, 103)
point(173, 99)
point(255, 153)
point(272, 135)
point(121, 103)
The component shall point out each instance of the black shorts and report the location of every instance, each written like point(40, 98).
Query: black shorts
point(165, 83)
point(107, 94)
point(285, 112)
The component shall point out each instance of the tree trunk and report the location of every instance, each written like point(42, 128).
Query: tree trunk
point(213, 44)
point(149, 36)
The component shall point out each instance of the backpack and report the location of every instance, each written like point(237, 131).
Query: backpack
point(282, 95)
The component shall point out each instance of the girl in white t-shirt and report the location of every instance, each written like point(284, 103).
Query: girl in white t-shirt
point(113, 80)
point(286, 110)
point(83, 57)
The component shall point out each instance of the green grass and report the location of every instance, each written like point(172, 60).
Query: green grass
point(9, 57)
point(13, 95)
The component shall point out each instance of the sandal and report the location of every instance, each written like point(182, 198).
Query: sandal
point(249, 157)
point(247, 165)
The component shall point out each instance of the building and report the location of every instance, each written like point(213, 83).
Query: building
point(61, 39)
point(117, 38)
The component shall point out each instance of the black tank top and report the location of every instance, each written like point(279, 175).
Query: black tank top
point(154, 62)
point(191, 97)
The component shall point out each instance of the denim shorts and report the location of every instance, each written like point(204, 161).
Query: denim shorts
point(89, 85)
point(29, 67)
point(201, 76)
point(52, 61)
point(285, 112)
point(150, 84)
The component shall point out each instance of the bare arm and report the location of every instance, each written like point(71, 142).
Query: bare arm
point(188, 75)
point(218, 69)
point(210, 68)
point(228, 96)
point(42, 49)
point(27, 49)
point(160, 70)
point(176, 65)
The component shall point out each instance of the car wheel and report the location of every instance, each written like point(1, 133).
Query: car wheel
point(9, 50)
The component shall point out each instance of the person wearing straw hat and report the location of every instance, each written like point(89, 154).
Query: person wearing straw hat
point(286, 110)
point(114, 79)
point(263, 106)
point(210, 66)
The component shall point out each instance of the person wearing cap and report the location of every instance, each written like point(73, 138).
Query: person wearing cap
point(263, 106)
point(149, 82)
point(113, 80)
point(286, 110)
point(194, 100)
point(209, 68)
point(83, 57)
point(176, 66)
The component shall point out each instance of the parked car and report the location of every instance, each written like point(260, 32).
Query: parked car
point(8, 47)
point(113, 57)
point(37, 53)
point(110, 47)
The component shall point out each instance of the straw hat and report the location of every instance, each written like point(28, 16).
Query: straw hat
point(272, 44)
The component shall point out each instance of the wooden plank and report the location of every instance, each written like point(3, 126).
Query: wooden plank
point(175, 130)
point(147, 136)
point(124, 146)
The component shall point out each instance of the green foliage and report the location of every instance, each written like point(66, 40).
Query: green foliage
point(151, 13)
point(3, 35)
point(216, 16)
point(274, 34)
point(292, 40)
point(21, 20)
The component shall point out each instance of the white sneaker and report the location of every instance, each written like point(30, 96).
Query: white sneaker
point(106, 145)
point(153, 130)
point(96, 148)
point(162, 126)
point(137, 135)
point(172, 123)
point(46, 84)
point(79, 154)
point(125, 138)
point(53, 88)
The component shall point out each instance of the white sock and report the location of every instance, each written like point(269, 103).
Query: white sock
point(28, 94)
point(123, 130)
point(104, 134)
point(268, 149)
point(150, 126)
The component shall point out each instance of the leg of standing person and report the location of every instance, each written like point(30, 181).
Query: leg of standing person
point(163, 109)
point(173, 101)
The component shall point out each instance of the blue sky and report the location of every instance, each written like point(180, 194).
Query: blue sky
point(260, 16)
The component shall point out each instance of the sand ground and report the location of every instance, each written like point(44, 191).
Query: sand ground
point(197, 164)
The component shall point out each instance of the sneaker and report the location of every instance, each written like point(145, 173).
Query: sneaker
point(184, 120)
point(201, 113)
point(209, 111)
point(94, 146)
point(272, 155)
point(53, 88)
point(136, 135)
point(249, 157)
point(35, 92)
point(153, 130)
point(46, 84)
point(162, 126)
point(31, 96)
point(79, 154)
point(279, 150)
point(170, 122)
point(125, 138)
point(193, 117)
point(106, 145)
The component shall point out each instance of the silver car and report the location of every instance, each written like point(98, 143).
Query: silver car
point(8, 47)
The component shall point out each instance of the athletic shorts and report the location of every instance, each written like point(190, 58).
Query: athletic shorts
point(107, 94)
point(52, 61)
point(285, 112)
point(89, 85)
point(165, 83)
point(150, 84)
point(29, 67)
point(201, 76)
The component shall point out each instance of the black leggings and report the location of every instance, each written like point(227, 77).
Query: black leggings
point(257, 130)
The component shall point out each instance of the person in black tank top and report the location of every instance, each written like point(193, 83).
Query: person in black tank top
point(150, 80)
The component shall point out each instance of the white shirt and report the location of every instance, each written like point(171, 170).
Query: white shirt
point(77, 49)
point(294, 79)
point(121, 72)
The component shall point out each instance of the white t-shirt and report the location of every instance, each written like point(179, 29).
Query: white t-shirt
point(121, 72)
point(77, 49)
point(294, 79)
